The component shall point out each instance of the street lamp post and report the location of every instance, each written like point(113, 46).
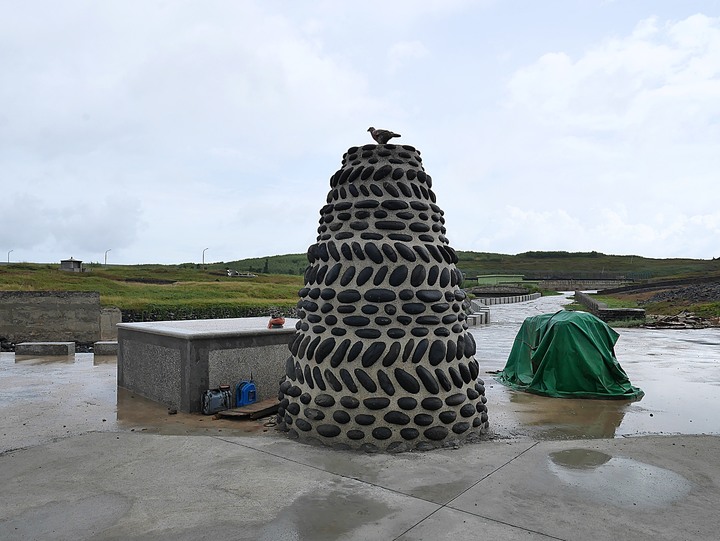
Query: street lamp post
point(203, 257)
point(106, 251)
point(9, 255)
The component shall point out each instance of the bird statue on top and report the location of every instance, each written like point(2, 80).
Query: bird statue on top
point(382, 136)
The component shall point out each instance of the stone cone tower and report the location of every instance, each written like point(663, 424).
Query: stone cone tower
point(382, 359)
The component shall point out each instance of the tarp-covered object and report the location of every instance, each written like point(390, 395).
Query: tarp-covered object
point(567, 355)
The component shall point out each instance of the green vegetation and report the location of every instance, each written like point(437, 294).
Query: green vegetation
point(193, 289)
point(159, 287)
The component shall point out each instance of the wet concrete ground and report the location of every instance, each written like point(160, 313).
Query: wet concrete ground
point(52, 397)
point(80, 460)
point(679, 370)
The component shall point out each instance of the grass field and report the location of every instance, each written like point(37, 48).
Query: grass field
point(190, 287)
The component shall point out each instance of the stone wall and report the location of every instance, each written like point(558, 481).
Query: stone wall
point(581, 285)
point(601, 310)
point(32, 316)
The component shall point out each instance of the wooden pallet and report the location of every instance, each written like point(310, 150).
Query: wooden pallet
point(257, 410)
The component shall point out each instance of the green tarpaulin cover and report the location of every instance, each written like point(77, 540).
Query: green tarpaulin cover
point(567, 355)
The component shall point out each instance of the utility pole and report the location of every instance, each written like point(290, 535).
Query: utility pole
point(203, 257)
point(9, 255)
point(106, 251)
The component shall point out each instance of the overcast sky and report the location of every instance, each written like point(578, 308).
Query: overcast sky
point(157, 129)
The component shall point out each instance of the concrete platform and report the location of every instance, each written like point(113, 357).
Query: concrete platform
point(45, 348)
point(107, 347)
point(174, 362)
point(132, 486)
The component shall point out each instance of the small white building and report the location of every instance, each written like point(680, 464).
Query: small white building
point(71, 265)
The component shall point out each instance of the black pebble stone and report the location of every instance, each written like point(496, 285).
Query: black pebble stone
point(397, 418)
point(349, 402)
point(332, 274)
point(293, 408)
point(407, 403)
point(413, 308)
point(400, 237)
point(369, 309)
point(407, 381)
point(427, 379)
point(472, 394)
point(364, 419)
point(372, 354)
point(409, 433)
point(365, 380)
point(303, 425)
point(285, 385)
point(357, 250)
point(447, 417)
point(420, 331)
point(328, 431)
point(324, 400)
point(324, 349)
point(314, 414)
point(305, 398)
point(420, 350)
point(294, 391)
point(437, 351)
point(338, 332)
point(389, 252)
point(423, 419)
point(428, 320)
point(382, 320)
point(355, 434)
point(443, 380)
point(417, 277)
point(468, 410)
point(451, 347)
point(382, 172)
point(441, 307)
point(395, 204)
point(376, 403)
point(380, 294)
point(290, 369)
point(455, 399)
point(432, 403)
point(465, 373)
point(341, 417)
point(371, 236)
point(364, 275)
point(349, 296)
point(456, 377)
point(356, 321)
point(396, 333)
point(407, 253)
point(367, 172)
point(347, 276)
point(339, 353)
point(317, 376)
point(392, 354)
point(382, 433)
point(380, 275)
point(368, 333)
point(474, 369)
point(385, 383)
point(374, 253)
point(461, 427)
point(348, 381)
point(436, 433)
point(354, 351)
point(398, 276)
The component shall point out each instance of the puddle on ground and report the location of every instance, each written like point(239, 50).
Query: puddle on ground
point(318, 517)
point(622, 482)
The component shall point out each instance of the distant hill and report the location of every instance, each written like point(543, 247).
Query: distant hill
point(533, 265)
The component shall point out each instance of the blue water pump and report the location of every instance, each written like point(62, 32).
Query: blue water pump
point(245, 392)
